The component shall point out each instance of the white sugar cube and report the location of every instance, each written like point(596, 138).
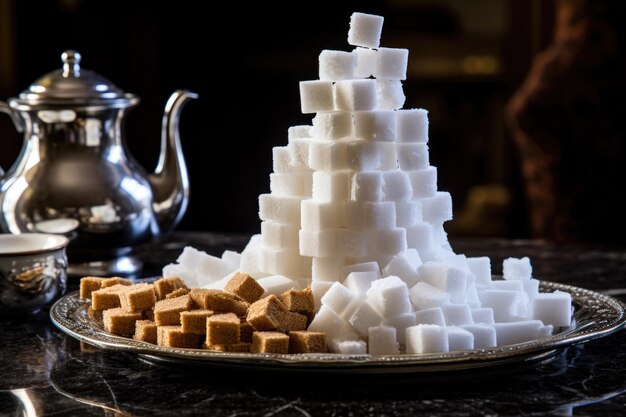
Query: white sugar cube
point(484, 335)
point(380, 215)
point(210, 268)
point(360, 282)
point(331, 186)
point(437, 209)
point(354, 243)
point(361, 267)
point(219, 284)
point(457, 314)
point(294, 184)
point(281, 159)
point(483, 315)
point(337, 298)
point(389, 296)
point(367, 186)
point(391, 241)
point(426, 338)
point(364, 317)
point(329, 156)
point(391, 63)
point(186, 274)
point(413, 125)
point(376, 125)
point(440, 239)
point(276, 284)
point(233, 258)
point(423, 182)
point(502, 302)
point(349, 347)
point(449, 279)
point(552, 308)
point(396, 186)
point(281, 209)
point(336, 65)
point(365, 60)
point(408, 213)
point(191, 257)
point(481, 268)
point(433, 315)
point(388, 156)
point(321, 243)
point(517, 332)
point(327, 269)
point(285, 262)
point(316, 96)
point(300, 131)
point(517, 269)
point(401, 322)
point(319, 288)
point(413, 156)
point(531, 287)
point(425, 296)
point(332, 125)
point(382, 340)
point(354, 215)
point(316, 215)
point(279, 235)
point(363, 155)
point(401, 266)
point(365, 30)
point(328, 322)
point(355, 95)
point(299, 152)
point(459, 339)
point(390, 94)
point(251, 258)
point(420, 237)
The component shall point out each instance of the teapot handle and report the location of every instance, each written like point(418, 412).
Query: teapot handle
point(15, 118)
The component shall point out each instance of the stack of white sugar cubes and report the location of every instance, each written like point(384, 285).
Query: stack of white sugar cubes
point(354, 212)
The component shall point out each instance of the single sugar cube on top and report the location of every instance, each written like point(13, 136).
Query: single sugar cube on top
point(517, 269)
point(365, 30)
point(336, 65)
point(391, 64)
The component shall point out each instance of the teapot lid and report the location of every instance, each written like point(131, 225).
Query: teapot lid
point(74, 85)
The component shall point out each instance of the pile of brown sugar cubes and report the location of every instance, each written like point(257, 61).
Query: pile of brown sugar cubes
point(238, 319)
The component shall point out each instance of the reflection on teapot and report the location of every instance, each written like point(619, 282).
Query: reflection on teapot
point(73, 175)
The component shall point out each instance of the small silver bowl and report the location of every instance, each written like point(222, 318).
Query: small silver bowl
point(33, 271)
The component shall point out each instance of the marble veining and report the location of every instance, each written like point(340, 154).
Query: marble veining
point(45, 372)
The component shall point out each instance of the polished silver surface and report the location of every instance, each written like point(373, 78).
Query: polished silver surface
point(31, 278)
point(74, 177)
point(595, 315)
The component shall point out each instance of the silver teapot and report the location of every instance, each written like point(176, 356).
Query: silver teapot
point(74, 177)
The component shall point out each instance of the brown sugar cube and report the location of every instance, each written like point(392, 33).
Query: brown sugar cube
point(94, 314)
point(138, 297)
point(267, 313)
point(119, 321)
point(146, 331)
point(177, 293)
point(235, 347)
point(194, 321)
point(292, 322)
point(173, 336)
point(222, 329)
point(245, 331)
point(148, 314)
point(167, 312)
point(215, 300)
point(89, 285)
point(164, 286)
point(307, 342)
point(299, 301)
point(107, 298)
point(269, 342)
point(109, 282)
point(245, 287)
point(240, 308)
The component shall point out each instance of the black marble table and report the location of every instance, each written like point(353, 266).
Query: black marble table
point(45, 372)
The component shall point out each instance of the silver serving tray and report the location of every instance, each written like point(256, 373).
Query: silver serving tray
point(595, 315)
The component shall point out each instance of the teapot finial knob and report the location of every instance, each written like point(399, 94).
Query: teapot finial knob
point(71, 63)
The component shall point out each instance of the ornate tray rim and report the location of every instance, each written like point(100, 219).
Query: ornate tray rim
point(595, 315)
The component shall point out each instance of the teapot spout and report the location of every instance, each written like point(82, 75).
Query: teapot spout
point(170, 180)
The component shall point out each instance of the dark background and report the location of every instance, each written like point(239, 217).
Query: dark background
point(467, 57)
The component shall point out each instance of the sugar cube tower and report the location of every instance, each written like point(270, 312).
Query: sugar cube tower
point(354, 212)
